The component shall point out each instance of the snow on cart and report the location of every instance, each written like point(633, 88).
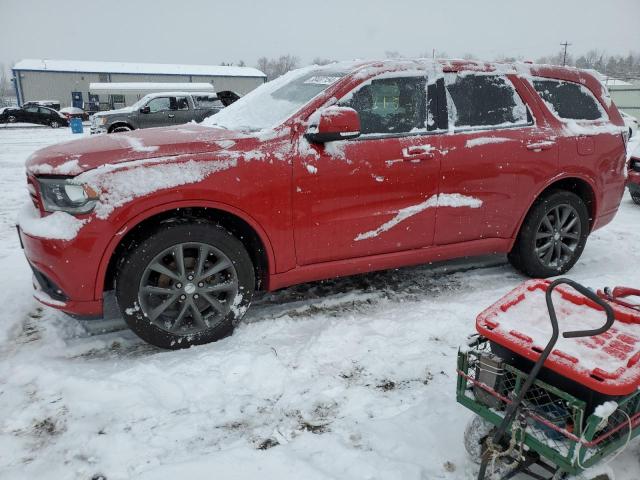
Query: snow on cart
point(553, 377)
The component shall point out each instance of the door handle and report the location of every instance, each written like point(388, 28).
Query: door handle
point(539, 146)
point(418, 153)
point(171, 115)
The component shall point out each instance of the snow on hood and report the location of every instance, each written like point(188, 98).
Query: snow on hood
point(77, 156)
point(117, 111)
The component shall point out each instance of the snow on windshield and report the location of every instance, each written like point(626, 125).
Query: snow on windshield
point(274, 102)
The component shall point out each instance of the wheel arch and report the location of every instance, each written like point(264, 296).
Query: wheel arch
point(246, 229)
point(119, 123)
point(581, 186)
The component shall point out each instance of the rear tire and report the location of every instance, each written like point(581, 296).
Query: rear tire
point(11, 119)
point(553, 235)
point(186, 284)
point(635, 196)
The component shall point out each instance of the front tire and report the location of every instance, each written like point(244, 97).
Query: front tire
point(552, 236)
point(54, 124)
point(186, 284)
point(635, 196)
point(121, 128)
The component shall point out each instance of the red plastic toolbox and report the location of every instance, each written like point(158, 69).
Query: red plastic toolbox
point(608, 363)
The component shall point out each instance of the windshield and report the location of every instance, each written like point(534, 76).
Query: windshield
point(274, 102)
point(140, 103)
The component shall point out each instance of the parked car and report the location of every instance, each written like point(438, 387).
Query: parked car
point(74, 112)
point(158, 110)
point(55, 104)
point(324, 172)
point(34, 114)
point(633, 180)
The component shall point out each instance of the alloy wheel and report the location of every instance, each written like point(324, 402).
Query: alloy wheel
point(558, 236)
point(188, 288)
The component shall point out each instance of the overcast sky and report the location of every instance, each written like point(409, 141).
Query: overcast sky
point(210, 31)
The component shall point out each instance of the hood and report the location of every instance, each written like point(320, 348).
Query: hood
point(118, 111)
point(77, 156)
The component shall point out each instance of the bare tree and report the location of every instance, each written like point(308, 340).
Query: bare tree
point(321, 61)
point(7, 93)
point(276, 67)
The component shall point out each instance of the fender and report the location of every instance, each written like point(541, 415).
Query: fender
point(551, 181)
point(165, 207)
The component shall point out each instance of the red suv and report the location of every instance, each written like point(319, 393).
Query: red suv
point(324, 172)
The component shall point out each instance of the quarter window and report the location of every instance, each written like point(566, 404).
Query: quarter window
point(569, 100)
point(390, 105)
point(480, 100)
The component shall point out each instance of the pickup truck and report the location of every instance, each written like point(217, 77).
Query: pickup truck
point(161, 109)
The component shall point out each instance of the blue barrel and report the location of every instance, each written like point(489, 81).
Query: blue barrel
point(76, 125)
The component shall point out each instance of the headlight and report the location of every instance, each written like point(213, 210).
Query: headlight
point(64, 195)
point(102, 120)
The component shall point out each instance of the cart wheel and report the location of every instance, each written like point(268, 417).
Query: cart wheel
point(475, 435)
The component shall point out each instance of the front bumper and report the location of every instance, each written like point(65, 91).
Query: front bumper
point(64, 274)
point(97, 129)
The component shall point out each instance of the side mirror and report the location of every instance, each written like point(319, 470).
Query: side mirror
point(333, 123)
point(146, 109)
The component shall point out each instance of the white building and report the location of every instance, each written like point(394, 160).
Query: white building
point(68, 80)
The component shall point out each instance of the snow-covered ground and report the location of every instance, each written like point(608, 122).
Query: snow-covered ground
point(345, 379)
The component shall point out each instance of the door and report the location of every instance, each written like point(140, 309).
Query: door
point(159, 111)
point(375, 194)
point(76, 99)
point(29, 115)
point(181, 111)
point(497, 152)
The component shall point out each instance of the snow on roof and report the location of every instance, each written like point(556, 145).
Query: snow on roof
point(147, 87)
point(142, 68)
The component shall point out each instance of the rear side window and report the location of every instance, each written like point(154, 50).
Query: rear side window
point(480, 100)
point(207, 101)
point(569, 100)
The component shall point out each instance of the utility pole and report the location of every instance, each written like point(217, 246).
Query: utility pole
point(564, 58)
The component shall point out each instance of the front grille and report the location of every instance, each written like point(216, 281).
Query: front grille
point(48, 286)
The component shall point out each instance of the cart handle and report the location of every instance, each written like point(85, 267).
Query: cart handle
point(591, 296)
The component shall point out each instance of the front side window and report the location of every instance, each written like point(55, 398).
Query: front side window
point(569, 100)
point(482, 101)
point(390, 105)
point(159, 104)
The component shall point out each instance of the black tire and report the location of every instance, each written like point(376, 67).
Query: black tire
point(475, 436)
point(635, 196)
point(54, 124)
point(11, 119)
point(135, 270)
point(121, 128)
point(525, 255)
